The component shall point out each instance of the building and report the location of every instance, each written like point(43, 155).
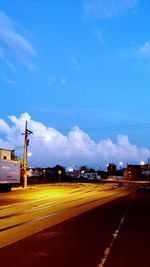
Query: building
point(145, 171)
point(111, 169)
point(133, 173)
point(137, 172)
point(5, 154)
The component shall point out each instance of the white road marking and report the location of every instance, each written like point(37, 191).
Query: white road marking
point(115, 234)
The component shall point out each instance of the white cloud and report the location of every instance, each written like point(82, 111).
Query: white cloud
point(99, 35)
point(5, 60)
point(144, 50)
point(4, 127)
point(50, 147)
point(63, 81)
point(55, 80)
point(11, 39)
point(11, 82)
point(106, 9)
point(139, 52)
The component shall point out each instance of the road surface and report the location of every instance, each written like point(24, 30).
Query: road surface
point(72, 225)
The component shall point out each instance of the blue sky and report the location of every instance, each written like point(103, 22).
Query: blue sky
point(82, 64)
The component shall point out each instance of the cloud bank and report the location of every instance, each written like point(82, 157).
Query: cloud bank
point(50, 147)
point(106, 9)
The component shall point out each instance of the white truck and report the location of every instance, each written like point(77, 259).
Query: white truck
point(9, 174)
point(91, 176)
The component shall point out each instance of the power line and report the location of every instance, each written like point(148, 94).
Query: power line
point(103, 129)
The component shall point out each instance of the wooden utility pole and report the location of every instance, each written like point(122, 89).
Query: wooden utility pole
point(25, 163)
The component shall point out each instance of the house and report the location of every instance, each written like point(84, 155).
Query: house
point(5, 154)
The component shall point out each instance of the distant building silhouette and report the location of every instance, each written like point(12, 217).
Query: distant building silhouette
point(111, 169)
point(133, 173)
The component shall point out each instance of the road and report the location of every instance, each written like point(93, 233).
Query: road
point(69, 225)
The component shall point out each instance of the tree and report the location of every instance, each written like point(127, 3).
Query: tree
point(13, 156)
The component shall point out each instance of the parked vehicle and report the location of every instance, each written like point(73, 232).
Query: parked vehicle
point(91, 176)
point(9, 174)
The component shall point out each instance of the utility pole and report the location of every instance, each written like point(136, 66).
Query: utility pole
point(26, 142)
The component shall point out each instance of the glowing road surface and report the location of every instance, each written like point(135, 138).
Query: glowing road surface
point(36, 208)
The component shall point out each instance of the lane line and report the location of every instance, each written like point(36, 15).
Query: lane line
point(116, 233)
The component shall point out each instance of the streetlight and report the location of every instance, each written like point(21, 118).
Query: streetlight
point(29, 154)
point(120, 164)
point(59, 172)
point(48, 138)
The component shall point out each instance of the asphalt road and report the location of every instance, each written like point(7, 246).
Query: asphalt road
point(94, 227)
point(39, 208)
point(132, 247)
